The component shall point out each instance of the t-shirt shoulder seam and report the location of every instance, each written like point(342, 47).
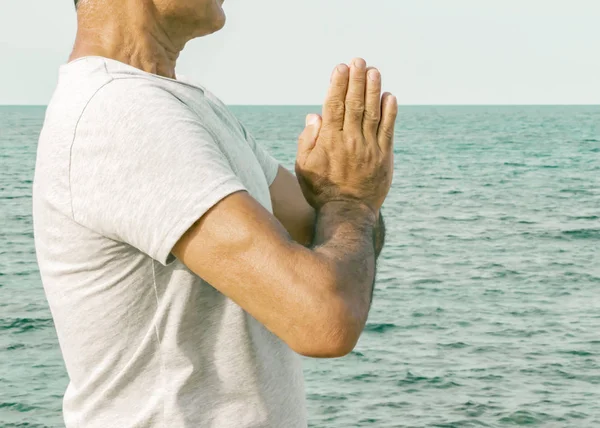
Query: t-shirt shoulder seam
point(117, 78)
point(75, 136)
point(112, 79)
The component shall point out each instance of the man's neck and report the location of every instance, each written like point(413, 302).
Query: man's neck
point(128, 33)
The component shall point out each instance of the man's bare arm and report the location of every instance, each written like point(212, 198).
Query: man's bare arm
point(310, 299)
point(315, 299)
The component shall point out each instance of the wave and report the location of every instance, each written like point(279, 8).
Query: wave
point(380, 328)
point(565, 234)
point(426, 281)
point(583, 233)
point(436, 382)
point(19, 407)
point(455, 345)
point(475, 218)
point(584, 217)
point(524, 417)
point(22, 325)
point(577, 353)
point(576, 191)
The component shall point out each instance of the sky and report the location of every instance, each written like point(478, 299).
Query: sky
point(283, 51)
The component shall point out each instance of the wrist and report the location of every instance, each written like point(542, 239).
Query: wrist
point(351, 207)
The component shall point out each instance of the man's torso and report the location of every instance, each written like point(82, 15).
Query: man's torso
point(149, 345)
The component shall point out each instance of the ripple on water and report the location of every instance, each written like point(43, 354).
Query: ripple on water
point(584, 217)
point(583, 233)
point(379, 328)
point(23, 325)
point(526, 417)
point(18, 407)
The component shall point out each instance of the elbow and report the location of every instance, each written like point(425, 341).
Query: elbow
point(327, 350)
point(333, 333)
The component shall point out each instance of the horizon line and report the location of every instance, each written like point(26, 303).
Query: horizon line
point(400, 105)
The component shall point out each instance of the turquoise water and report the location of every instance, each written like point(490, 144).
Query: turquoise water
point(487, 307)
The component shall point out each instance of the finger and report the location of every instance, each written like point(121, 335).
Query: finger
point(333, 109)
point(389, 112)
point(372, 114)
point(308, 138)
point(355, 98)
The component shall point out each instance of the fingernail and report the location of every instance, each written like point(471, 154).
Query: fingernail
point(373, 75)
point(341, 68)
point(360, 63)
point(311, 120)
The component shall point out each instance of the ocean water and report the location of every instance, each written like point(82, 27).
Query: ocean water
point(487, 306)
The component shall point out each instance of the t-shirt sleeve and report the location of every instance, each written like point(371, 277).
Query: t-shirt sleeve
point(144, 169)
point(268, 163)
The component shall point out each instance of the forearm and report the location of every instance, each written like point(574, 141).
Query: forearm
point(345, 236)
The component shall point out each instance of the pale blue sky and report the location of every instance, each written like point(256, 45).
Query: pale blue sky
point(282, 51)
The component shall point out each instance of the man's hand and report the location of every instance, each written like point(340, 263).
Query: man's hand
point(352, 158)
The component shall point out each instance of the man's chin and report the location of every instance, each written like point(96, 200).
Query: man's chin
point(222, 21)
point(218, 23)
point(213, 22)
point(221, 10)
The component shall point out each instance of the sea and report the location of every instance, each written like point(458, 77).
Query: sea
point(487, 304)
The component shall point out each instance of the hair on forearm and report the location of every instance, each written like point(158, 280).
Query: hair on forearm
point(346, 234)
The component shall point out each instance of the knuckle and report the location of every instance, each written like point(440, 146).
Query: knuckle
point(340, 83)
point(354, 117)
point(336, 106)
point(352, 140)
point(372, 115)
point(355, 105)
point(388, 132)
point(358, 78)
point(374, 91)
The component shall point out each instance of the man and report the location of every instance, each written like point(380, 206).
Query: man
point(185, 269)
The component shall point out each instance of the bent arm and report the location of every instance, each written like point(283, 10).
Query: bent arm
point(316, 300)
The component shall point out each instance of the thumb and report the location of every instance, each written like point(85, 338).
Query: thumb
point(309, 136)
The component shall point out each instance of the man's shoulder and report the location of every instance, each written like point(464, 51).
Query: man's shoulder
point(129, 97)
point(97, 85)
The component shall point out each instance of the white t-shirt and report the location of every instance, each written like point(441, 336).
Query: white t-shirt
point(127, 161)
